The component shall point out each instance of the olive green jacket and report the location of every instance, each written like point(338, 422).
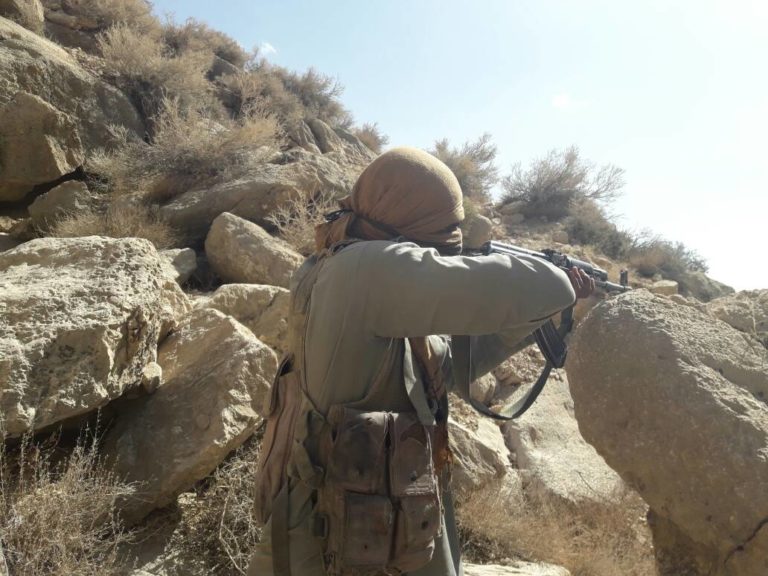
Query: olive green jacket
point(368, 298)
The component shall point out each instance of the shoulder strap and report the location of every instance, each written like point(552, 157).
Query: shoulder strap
point(551, 342)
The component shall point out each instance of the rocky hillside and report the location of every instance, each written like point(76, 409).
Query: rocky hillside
point(157, 190)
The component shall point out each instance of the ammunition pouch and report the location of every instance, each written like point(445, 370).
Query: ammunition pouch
point(379, 507)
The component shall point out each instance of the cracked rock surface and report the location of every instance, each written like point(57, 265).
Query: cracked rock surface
point(675, 401)
point(80, 319)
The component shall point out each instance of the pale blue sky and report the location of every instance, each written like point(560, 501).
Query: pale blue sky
point(674, 92)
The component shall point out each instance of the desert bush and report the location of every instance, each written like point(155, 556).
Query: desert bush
point(587, 223)
point(551, 185)
point(190, 148)
point(295, 220)
point(472, 164)
point(196, 36)
point(371, 136)
point(589, 539)
point(57, 514)
point(652, 255)
point(260, 87)
point(137, 13)
point(118, 220)
point(148, 73)
point(319, 95)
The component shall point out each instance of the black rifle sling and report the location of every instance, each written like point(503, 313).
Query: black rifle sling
point(551, 342)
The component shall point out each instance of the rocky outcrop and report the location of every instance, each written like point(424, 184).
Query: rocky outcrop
point(38, 144)
point(516, 568)
point(207, 406)
point(32, 64)
point(296, 173)
point(262, 309)
point(477, 230)
point(553, 459)
point(65, 199)
point(664, 287)
point(241, 251)
point(746, 311)
point(676, 403)
point(27, 13)
point(702, 287)
point(479, 456)
point(182, 263)
point(80, 318)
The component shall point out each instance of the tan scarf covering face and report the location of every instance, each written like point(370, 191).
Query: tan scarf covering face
point(404, 192)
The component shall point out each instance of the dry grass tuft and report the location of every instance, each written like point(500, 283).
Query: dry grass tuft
point(119, 220)
point(218, 528)
point(190, 148)
point(296, 219)
point(588, 540)
point(57, 515)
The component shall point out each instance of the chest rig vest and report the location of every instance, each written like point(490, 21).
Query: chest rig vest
point(376, 474)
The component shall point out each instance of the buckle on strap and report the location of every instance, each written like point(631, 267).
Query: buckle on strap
point(320, 526)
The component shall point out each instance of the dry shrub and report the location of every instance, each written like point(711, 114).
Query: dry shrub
point(190, 148)
point(118, 220)
point(196, 36)
point(137, 13)
point(260, 87)
point(551, 185)
point(218, 527)
point(588, 223)
point(295, 220)
point(472, 164)
point(371, 136)
point(57, 515)
point(652, 255)
point(319, 94)
point(589, 539)
point(148, 73)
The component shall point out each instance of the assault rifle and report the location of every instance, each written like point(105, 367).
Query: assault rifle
point(562, 261)
point(550, 339)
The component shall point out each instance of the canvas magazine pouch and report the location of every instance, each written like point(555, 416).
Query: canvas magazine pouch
point(380, 500)
point(285, 402)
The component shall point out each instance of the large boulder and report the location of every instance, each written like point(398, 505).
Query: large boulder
point(80, 318)
point(553, 459)
point(27, 13)
point(477, 231)
point(30, 63)
point(182, 263)
point(263, 309)
point(64, 200)
point(479, 455)
point(38, 144)
point(207, 406)
point(746, 311)
point(676, 403)
point(294, 174)
point(241, 251)
point(702, 287)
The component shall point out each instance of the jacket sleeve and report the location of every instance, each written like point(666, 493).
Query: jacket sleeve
point(414, 291)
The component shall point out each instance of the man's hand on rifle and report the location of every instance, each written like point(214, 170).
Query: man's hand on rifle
point(583, 284)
